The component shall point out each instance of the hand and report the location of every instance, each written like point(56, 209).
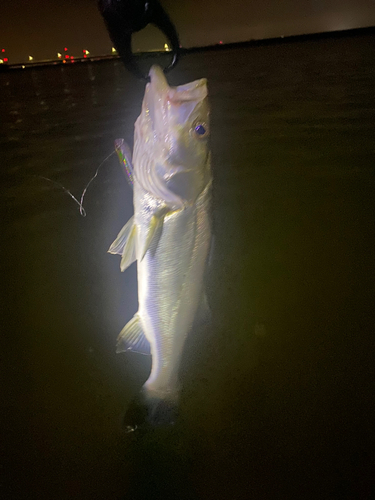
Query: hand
point(125, 17)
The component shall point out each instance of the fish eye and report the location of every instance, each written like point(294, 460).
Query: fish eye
point(201, 130)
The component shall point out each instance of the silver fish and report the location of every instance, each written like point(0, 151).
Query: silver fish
point(170, 233)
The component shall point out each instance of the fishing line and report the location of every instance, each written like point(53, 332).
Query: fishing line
point(82, 211)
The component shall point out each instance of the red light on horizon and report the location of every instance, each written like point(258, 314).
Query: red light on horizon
point(66, 57)
point(2, 50)
point(85, 56)
point(5, 59)
point(71, 57)
point(221, 42)
point(65, 49)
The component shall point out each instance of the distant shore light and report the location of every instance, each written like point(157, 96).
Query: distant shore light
point(59, 55)
point(31, 58)
point(1, 61)
point(166, 47)
point(113, 50)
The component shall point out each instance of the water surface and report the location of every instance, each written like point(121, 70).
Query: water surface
point(277, 399)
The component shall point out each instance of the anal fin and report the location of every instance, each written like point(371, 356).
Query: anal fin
point(132, 338)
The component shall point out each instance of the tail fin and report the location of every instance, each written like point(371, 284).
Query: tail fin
point(145, 412)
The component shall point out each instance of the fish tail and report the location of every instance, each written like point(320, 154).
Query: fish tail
point(147, 410)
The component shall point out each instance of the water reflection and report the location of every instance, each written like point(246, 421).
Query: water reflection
point(92, 78)
point(69, 100)
point(39, 88)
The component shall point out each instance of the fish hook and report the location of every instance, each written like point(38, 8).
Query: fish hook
point(125, 17)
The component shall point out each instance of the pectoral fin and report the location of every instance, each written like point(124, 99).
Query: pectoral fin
point(125, 244)
point(117, 246)
point(154, 229)
point(153, 232)
point(132, 338)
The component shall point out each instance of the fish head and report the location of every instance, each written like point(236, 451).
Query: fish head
point(175, 123)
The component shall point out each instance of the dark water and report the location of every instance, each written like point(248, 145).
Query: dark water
point(277, 399)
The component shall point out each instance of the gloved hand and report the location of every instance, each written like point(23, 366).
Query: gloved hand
point(125, 17)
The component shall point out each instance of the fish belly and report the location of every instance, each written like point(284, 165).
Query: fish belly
point(170, 284)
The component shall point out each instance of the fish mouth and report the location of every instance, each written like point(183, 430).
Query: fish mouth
point(161, 98)
point(193, 91)
point(157, 78)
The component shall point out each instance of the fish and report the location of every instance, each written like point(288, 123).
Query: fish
point(169, 236)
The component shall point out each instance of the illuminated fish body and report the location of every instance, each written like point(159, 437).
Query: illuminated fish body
point(169, 235)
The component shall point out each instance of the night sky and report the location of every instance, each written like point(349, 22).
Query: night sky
point(42, 28)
